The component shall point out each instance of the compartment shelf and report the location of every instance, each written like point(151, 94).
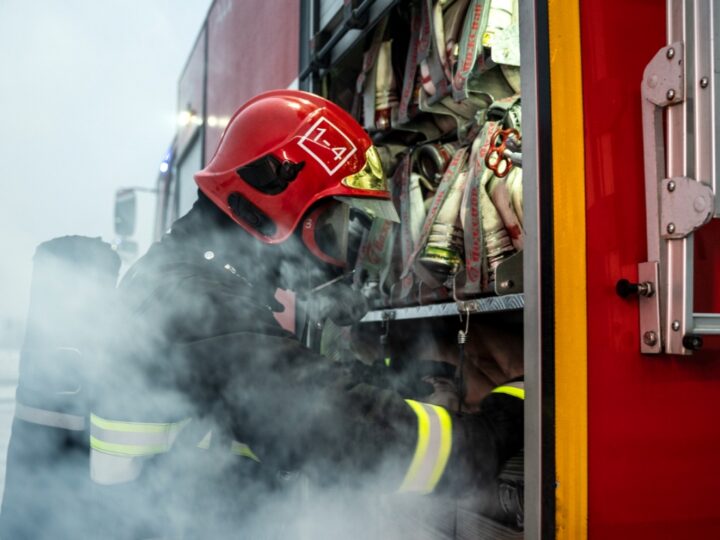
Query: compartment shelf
point(490, 304)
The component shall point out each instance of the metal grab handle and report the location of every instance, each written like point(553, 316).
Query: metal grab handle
point(680, 151)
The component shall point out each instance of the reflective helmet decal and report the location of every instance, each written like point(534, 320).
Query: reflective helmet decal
point(327, 145)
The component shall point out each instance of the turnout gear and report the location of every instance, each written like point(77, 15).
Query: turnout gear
point(210, 410)
point(213, 358)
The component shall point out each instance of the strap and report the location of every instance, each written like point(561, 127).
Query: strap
point(435, 65)
point(475, 254)
point(376, 253)
point(133, 439)
point(54, 419)
point(432, 450)
point(453, 21)
point(407, 241)
point(515, 389)
point(411, 63)
point(365, 85)
point(498, 244)
point(471, 52)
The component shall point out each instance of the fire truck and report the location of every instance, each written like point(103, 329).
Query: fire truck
point(609, 111)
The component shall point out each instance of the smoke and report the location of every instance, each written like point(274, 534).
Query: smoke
point(187, 338)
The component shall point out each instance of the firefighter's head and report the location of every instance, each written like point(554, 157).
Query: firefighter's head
point(293, 162)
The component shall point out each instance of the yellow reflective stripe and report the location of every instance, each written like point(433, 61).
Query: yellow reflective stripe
point(445, 445)
point(132, 450)
point(511, 391)
point(242, 449)
point(432, 450)
point(420, 448)
point(135, 427)
point(205, 442)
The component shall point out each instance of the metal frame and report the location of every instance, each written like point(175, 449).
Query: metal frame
point(489, 304)
point(680, 135)
point(534, 62)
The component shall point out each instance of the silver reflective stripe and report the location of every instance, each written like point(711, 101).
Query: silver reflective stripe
point(432, 450)
point(133, 439)
point(154, 439)
point(118, 449)
point(43, 417)
point(109, 469)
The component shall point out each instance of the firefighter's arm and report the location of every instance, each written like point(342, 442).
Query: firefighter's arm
point(451, 452)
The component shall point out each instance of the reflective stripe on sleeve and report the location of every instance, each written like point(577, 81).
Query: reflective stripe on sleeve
point(515, 389)
point(205, 441)
point(43, 417)
point(242, 449)
point(432, 450)
point(133, 439)
point(236, 448)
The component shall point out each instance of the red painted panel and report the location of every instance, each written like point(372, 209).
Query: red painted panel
point(253, 46)
point(654, 442)
point(190, 91)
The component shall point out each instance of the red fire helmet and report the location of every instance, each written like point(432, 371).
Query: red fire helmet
point(285, 150)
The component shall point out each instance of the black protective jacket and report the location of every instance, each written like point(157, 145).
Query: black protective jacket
point(202, 343)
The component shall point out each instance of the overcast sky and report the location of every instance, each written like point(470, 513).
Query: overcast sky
point(88, 98)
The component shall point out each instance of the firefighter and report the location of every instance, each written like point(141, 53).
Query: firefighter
point(207, 407)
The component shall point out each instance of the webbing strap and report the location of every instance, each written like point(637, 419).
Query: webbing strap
point(475, 255)
point(411, 62)
point(470, 47)
point(43, 417)
point(133, 438)
point(515, 389)
point(432, 451)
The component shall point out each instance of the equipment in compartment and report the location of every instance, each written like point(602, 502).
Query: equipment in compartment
point(437, 87)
